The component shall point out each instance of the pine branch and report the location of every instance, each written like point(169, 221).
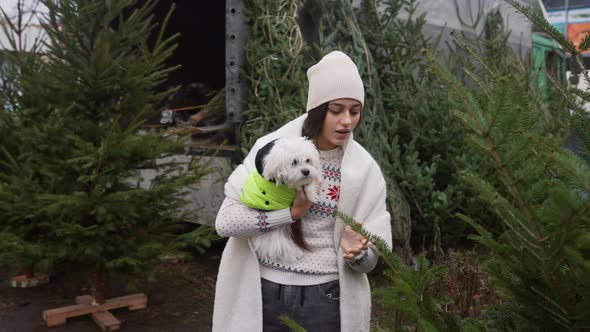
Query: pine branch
point(8, 27)
point(571, 165)
point(290, 323)
point(542, 23)
point(580, 93)
point(573, 103)
point(578, 59)
point(474, 22)
point(357, 227)
point(585, 44)
point(160, 37)
point(504, 209)
point(560, 317)
point(467, 99)
point(8, 159)
point(473, 53)
point(200, 239)
point(411, 290)
point(477, 81)
point(477, 121)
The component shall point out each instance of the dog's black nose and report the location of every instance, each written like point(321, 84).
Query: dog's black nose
point(305, 172)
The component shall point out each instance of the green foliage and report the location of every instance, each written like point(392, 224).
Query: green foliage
point(199, 240)
point(538, 190)
point(20, 63)
point(276, 62)
point(406, 123)
point(410, 292)
point(342, 28)
point(275, 68)
point(585, 44)
point(70, 192)
point(290, 323)
point(420, 146)
point(513, 155)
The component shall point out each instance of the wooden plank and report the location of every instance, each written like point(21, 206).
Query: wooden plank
point(84, 299)
point(138, 306)
point(25, 281)
point(54, 320)
point(213, 147)
point(134, 302)
point(106, 321)
point(55, 317)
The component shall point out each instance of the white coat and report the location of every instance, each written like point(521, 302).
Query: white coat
point(238, 298)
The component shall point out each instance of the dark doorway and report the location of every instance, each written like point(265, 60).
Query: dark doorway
point(201, 46)
point(198, 104)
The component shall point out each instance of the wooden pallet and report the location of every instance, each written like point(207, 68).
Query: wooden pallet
point(28, 281)
point(85, 305)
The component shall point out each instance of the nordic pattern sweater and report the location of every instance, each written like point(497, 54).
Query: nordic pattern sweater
point(317, 266)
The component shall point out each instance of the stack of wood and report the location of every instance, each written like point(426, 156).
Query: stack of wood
point(208, 125)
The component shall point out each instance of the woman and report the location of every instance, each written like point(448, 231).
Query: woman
point(327, 289)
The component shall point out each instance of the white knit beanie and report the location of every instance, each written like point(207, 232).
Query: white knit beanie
point(334, 77)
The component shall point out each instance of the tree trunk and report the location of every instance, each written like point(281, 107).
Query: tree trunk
point(97, 285)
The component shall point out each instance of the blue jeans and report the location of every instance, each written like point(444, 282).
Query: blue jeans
point(316, 307)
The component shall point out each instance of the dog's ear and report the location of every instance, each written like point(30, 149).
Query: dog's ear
point(276, 160)
point(259, 160)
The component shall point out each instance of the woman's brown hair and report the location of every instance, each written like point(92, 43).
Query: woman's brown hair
point(312, 128)
point(312, 125)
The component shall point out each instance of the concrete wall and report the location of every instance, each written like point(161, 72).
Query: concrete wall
point(442, 17)
point(206, 198)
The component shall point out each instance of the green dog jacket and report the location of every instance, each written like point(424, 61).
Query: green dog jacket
point(262, 194)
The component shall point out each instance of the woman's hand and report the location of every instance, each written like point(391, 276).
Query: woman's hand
point(352, 243)
point(300, 205)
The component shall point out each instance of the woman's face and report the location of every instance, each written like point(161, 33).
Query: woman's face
point(342, 117)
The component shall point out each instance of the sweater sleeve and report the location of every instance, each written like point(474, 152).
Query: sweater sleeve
point(238, 220)
point(365, 261)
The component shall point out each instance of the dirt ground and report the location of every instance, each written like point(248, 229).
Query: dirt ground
point(180, 299)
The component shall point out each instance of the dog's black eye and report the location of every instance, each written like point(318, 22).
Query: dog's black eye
point(294, 163)
point(307, 161)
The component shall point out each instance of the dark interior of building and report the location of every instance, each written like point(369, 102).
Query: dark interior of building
point(201, 45)
point(201, 55)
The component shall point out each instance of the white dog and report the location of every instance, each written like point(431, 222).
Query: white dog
point(294, 162)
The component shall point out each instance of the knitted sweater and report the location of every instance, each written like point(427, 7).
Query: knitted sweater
point(238, 299)
point(316, 266)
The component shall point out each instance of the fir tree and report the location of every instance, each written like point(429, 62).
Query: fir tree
point(423, 145)
point(19, 67)
point(276, 60)
point(71, 188)
point(538, 190)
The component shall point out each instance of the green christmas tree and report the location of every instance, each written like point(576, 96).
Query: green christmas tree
point(539, 191)
point(19, 68)
point(70, 189)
